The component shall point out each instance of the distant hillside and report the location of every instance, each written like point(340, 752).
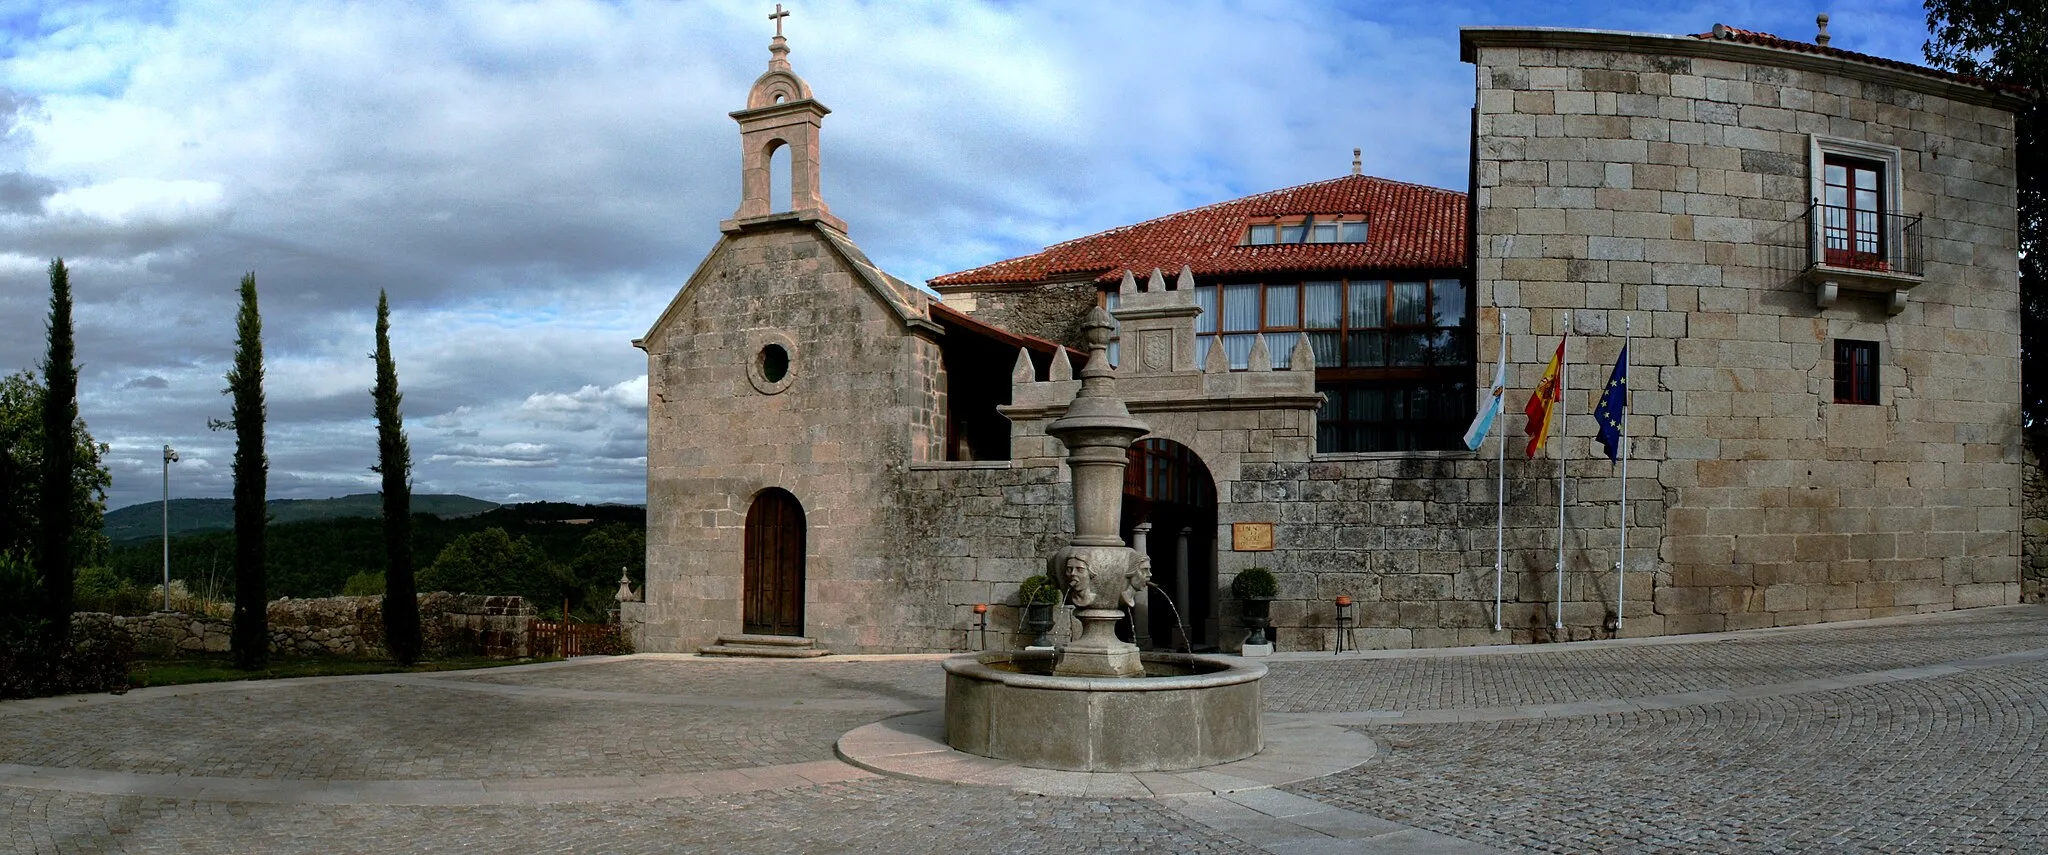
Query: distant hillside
point(196, 515)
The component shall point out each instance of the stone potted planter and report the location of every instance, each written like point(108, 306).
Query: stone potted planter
point(1036, 597)
point(1255, 589)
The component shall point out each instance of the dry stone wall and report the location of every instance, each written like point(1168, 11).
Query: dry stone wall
point(452, 624)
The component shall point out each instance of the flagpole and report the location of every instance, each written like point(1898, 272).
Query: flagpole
point(1500, 493)
point(1564, 373)
point(1621, 560)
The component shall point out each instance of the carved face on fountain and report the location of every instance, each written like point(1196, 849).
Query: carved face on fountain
point(1080, 587)
point(1102, 576)
point(1137, 579)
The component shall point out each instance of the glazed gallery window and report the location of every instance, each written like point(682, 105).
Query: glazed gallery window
point(1394, 357)
point(1855, 372)
point(1306, 230)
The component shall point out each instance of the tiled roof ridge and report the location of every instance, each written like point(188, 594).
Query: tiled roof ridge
point(1758, 38)
point(1244, 200)
point(1417, 225)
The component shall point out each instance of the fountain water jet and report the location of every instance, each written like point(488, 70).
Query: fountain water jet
point(1098, 704)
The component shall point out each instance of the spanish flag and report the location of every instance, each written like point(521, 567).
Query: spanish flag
point(1544, 400)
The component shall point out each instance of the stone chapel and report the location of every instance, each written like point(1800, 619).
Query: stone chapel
point(1812, 250)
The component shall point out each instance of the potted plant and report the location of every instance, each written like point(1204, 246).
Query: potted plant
point(1255, 589)
point(1037, 595)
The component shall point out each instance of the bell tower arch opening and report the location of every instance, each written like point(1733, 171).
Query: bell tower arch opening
point(780, 198)
point(779, 132)
point(1167, 485)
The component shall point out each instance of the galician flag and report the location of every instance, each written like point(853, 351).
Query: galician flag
point(1543, 401)
point(1482, 424)
point(1613, 405)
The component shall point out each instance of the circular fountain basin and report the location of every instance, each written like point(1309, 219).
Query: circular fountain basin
point(1185, 713)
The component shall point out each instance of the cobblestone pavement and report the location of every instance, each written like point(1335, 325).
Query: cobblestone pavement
point(876, 815)
point(1916, 754)
point(1954, 764)
point(1569, 674)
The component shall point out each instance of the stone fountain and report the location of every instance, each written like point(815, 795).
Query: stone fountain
point(1098, 704)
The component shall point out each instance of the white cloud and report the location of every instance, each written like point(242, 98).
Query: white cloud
point(139, 201)
point(531, 182)
point(588, 401)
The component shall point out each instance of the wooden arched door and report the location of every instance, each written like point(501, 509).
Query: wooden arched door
point(772, 587)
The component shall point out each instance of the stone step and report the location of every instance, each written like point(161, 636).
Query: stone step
point(767, 640)
point(762, 651)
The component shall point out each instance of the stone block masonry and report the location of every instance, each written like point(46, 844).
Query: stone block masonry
point(1665, 181)
point(1666, 185)
point(1688, 167)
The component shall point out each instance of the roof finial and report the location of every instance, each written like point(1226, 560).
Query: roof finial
point(779, 48)
point(1823, 38)
point(1355, 164)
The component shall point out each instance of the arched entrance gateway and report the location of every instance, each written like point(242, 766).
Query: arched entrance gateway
point(1166, 485)
point(772, 585)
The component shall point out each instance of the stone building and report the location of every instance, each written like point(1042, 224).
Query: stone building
point(1814, 250)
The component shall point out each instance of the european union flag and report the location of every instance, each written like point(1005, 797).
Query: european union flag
point(1613, 407)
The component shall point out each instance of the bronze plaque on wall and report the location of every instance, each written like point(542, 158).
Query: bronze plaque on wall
point(1251, 537)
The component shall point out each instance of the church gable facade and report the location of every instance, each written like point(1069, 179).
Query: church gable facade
point(1814, 252)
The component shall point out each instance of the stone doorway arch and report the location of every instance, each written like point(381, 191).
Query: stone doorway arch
point(772, 583)
point(1167, 484)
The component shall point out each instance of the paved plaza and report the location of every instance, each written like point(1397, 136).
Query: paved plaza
point(1901, 735)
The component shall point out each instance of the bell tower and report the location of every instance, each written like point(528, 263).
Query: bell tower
point(780, 113)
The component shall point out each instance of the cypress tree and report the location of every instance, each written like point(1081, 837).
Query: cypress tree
point(56, 514)
point(394, 462)
point(250, 635)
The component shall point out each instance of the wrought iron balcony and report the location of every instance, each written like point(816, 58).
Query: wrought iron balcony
point(1876, 251)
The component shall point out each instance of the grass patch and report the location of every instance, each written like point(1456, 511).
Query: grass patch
point(219, 668)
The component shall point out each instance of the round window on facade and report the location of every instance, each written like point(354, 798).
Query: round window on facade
point(774, 363)
point(773, 366)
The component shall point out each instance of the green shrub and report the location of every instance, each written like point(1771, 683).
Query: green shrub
point(1038, 590)
point(97, 660)
point(99, 589)
point(364, 585)
point(21, 593)
point(1255, 583)
point(613, 643)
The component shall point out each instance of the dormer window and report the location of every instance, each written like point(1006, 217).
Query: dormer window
point(1305, 229)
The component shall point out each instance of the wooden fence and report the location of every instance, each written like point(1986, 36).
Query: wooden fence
point(564, 639)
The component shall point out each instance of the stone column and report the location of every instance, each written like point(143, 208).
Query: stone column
point(1182, 587)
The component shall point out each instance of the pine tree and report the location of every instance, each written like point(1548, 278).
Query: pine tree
point(57, 515)
point(394, 462)
point(250, 635)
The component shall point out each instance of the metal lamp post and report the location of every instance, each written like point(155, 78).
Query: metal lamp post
point(170, 457)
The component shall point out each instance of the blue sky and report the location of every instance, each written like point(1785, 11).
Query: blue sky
point(532, 181)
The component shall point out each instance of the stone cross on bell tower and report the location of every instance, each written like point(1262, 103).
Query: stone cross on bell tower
point(780, 113)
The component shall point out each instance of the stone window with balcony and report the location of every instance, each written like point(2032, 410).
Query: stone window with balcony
point(1857, 238)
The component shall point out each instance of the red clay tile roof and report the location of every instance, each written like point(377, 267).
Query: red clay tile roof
point(1409, 226)
point(1723, 32)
